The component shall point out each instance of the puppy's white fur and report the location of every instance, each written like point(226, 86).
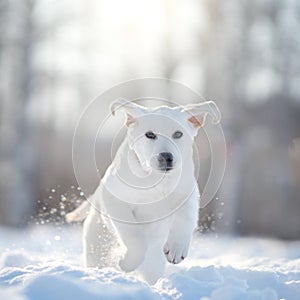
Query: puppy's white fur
point(152, 211)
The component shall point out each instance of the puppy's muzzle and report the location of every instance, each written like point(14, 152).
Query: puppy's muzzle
point(165, 161)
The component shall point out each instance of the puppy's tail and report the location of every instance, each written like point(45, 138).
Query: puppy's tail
point(79, 214)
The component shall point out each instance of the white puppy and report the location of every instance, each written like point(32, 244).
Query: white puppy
point(148, 196)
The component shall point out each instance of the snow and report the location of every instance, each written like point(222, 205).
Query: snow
point(45, 262)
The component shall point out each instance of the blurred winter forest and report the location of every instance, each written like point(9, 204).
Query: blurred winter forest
point(55, 56)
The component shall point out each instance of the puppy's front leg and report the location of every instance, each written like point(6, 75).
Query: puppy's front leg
point(134, 240)
point(181, 231)
point(98, 241)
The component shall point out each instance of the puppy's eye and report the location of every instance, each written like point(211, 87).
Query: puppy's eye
point(177, 135)
point(150, 135)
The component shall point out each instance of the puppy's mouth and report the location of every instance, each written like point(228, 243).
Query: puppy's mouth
point(165, 169)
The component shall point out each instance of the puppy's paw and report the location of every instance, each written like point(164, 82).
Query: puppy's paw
point(130, 262)
point(176, 251)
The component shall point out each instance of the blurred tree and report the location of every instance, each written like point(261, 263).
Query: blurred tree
point(16, 160)
point(251, 66)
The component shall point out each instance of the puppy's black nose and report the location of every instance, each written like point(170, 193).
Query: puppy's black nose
point(165, 160)
point(165, 156)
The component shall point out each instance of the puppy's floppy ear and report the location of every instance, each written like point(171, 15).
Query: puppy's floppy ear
point(197, 113)
point(132, 110)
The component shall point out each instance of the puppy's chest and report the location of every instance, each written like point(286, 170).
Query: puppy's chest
point(142, 195)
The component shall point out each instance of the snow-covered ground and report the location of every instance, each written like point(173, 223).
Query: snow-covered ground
point(44, 263)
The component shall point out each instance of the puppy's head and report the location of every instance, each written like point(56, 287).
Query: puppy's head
point(162, 138)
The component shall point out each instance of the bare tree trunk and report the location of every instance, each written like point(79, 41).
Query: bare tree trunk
point(16, 160)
